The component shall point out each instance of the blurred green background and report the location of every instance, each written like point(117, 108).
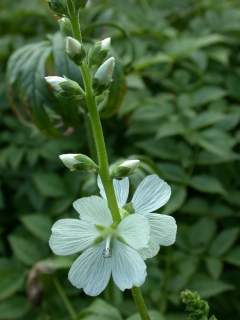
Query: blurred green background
point(180, 115)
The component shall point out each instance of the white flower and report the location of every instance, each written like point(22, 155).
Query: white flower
point(151, 194)
point(106, 249)
point(106, 44)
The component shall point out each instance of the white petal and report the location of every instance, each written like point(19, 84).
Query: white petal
point(91, 271)
point(128, 267)
point(93, 209)
point(151, 251)
point(121, 188)
point(135, 230)
point(151, 194)
point(71, 236)
point(163, 228)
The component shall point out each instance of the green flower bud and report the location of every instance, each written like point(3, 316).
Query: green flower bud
point(124, 168)
point(79, 162)
point(75, 50)
point(58, 6)
point(65, 89)
point(99, 52)
point(80, 3)
point(65, 26)
point(103, 76)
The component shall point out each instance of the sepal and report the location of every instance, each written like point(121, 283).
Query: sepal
point(123, 169)
point(78, 162)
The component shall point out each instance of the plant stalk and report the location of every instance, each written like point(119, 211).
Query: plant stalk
point(103, 162)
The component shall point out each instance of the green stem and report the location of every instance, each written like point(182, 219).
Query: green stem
point(103, 162)
point(100, 143)
point(140, 303)
point(65, 299)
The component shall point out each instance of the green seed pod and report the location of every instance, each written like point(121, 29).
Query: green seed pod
point(78, 162)
point(65, 26)
point(75, 50)
point(58, 6)
point(123, 169)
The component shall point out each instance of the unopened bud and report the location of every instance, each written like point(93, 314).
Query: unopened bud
point(58, 6)
point(75, 50)
point(65, 26)
point(99, 52)
point(79, 162)
point(80, 3)
point(103, 76)
point(124, 168)
point(65, 89)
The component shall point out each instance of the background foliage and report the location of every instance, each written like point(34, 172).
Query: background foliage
point(180, 115)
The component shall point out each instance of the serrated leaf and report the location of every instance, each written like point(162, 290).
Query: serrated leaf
point(224, 242)
point(38, 224)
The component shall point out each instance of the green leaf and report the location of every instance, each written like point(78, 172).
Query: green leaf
point(11, 278)
point(224, 242)
point(14, 308)
point(208, 184)
point(201, 233)
point(233, 257)
point(154, 315)
point(26, 71)
point(206, 119)
point(49, 184)
point(28, 251)
point(208, 287)
point(206, 95)
point(177, 199)
point(214, 266)
point(39, 225)
point(100, 310)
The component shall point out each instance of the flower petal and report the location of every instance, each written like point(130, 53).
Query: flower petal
point(93, 209)
point(152, 249)
point(151, 194)
point(91, 271)
point(71, 236)
point(121, 188)
point(163, 228)
point(128, 267)
point(135, 230)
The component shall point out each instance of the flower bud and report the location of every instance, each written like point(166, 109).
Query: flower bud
point(79, 162)
point(103, 76)
point(65, 90)
point(58, 6)
point(124, 168)
point(75, 50)
point(99, 52)
point(80, 3)
point(65, 26)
